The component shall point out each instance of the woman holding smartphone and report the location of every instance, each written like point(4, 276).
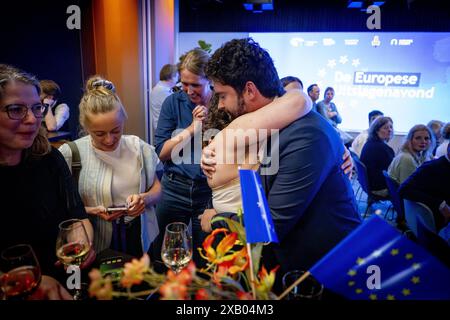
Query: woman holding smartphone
point(116, 171)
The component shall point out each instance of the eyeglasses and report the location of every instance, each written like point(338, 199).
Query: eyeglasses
point(20, 111)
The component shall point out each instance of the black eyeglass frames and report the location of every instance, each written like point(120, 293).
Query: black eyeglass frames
point(20, 111)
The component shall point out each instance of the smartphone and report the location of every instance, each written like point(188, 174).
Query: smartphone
point(113, 209)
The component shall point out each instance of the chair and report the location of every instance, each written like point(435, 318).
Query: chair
point(432, 242)
point(415, 211)
point(363, 180)
point(396, 201)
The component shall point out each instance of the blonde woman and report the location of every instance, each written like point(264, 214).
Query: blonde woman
point(415, 151)
point(117, 171)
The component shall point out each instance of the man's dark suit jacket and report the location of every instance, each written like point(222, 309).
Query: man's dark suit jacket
point(430, 185)
point(311, 199)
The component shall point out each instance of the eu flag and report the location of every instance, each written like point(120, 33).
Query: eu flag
point(376, 251)
point(257, 219)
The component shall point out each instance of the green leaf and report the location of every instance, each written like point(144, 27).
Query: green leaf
point(205, 46)
point(233, 226)
point(256, 255)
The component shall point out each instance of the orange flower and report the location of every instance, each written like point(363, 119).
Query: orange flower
point(100, 288)
point(265, 282)
point(184, 277)
point(240, 261)
point(219, 274)
point(173, 291)
point(244, 295)
point(201, 294)
point(218, 255)
point(133, 272)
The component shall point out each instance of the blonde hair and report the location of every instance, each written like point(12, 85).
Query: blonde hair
point(10, 74)
point(407, 145)
point(194, 61)
point(99, 97)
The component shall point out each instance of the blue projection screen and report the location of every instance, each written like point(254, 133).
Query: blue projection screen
point(405, 75)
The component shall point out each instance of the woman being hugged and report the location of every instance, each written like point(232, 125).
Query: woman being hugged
point(116, 171)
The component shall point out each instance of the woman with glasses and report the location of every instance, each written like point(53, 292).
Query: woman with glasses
point(36, 189)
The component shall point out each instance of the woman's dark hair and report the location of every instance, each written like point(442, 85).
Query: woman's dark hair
point(376, 126)
point(217, 120)
point(50, 88)
point(326, 90)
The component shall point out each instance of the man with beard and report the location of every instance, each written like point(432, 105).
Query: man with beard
point(310, 198)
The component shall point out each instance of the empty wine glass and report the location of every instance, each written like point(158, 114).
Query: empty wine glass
point(176, 249)
point(20, 273)
point(72, 246)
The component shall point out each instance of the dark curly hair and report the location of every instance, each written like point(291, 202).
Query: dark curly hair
point(242, 60)
point(217, 119)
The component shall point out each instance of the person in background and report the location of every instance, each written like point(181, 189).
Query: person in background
point(415, 151)
point(36, 189)
point(116, 171)
point(445, 134)
point(429, 184)
point(436, 127)
point(314, 93)
point(57, 114)
point(377, 155)
point(185, 192)
point(291, 82)
point(361, 139)
point(168, 77)
point(328, 109)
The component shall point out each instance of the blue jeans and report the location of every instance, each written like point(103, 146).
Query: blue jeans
point(183, 200)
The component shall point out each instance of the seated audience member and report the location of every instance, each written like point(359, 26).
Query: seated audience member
point(116, 171)
point(168, 77)
point(36, 188)
point(445, 134)
point(436, 127)
point(377, 155)
point(415, 151)
point(314, 93)
point(429, 184)
point(360, 140)
point(309, 191)
point(291, 82)
point(57, 114)
point(328, 109)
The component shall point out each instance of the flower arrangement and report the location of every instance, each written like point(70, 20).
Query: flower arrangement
point(227, 274)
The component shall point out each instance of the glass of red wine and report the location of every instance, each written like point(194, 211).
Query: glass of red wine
point(20, 273)
point(72, 247)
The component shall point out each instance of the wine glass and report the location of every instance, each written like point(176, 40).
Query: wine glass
point(176, 249)
point(20, 273)
point(72, 246)
point(310, 288)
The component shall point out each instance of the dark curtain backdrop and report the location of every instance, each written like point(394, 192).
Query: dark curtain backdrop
point(34, 37)
point(311, 16)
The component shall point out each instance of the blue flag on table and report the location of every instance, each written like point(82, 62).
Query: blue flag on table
point(257, 219)
point(406, 270)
